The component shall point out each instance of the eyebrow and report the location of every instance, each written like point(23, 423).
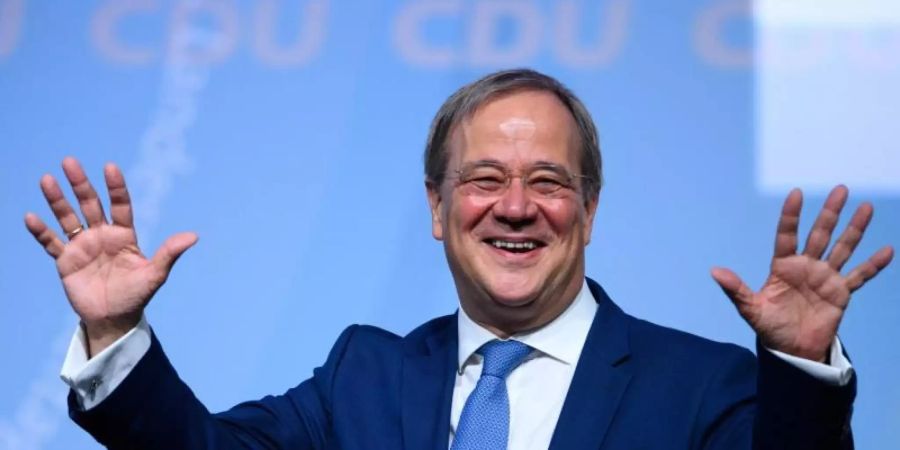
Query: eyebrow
point(493, 162)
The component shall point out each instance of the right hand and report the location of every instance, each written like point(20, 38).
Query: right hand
point(107, 279)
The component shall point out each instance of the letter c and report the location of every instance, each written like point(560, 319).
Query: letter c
point(408, 37)
point(103, 31)
point(707, 35)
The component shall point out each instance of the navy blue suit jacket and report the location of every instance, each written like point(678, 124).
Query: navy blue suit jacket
point(636, 386)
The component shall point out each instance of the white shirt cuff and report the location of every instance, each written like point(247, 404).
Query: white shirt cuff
point(94, 379)
point(838, 373)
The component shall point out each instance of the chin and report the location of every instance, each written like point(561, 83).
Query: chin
point(515, 291)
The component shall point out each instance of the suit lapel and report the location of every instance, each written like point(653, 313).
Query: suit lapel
point(600, 379)
point(429, 367)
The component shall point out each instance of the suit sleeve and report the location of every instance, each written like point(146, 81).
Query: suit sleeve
point(797, 411)
point(154, 409)
point(782, 407)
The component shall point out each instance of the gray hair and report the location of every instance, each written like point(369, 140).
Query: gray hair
point(464, 102)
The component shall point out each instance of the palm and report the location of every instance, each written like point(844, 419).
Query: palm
point(801, 304)
point(106, 278)
point(105, 275)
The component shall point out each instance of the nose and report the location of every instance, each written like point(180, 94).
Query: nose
point(515, 207)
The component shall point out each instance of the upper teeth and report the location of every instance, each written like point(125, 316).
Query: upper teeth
point(506, 244)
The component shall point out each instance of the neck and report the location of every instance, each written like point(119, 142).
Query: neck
point(505, 321)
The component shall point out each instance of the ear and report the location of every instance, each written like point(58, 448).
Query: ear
point(590, 211)
point(435, 202)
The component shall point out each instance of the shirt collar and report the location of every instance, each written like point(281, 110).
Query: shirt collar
point(562, 338)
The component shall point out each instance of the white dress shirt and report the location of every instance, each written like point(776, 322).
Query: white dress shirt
point(537, 388)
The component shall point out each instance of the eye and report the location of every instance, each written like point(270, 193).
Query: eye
point(546, 184)
point(487, 182)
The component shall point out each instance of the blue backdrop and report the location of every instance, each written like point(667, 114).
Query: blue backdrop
point(289, 135)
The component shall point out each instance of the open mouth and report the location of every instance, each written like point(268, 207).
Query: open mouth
point(515, 245)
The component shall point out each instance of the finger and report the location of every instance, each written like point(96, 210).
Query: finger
point(119, 200)
point(44, 235)
point(64, 213)
point(171, 250)
point(738, 291)
point(786, 233)
point(91, 208)
point(867, 270)
point(820, 234)
point(851, 236)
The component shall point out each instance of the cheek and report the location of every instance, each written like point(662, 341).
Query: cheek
point(563, 217)
point(466, 213)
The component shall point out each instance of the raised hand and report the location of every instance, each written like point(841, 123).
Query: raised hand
point(106, 278)
point(800, 306)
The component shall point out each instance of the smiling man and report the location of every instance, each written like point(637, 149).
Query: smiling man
point(513, 211)
point(538, 356)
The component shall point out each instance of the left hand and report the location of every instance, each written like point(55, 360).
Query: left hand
point(799, 308)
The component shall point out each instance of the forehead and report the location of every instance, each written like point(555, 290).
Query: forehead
point(517, 129)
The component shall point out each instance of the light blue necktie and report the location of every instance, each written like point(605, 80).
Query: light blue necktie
point(484, 423)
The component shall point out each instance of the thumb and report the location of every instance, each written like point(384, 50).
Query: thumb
point(738, 291)
point(171, 250)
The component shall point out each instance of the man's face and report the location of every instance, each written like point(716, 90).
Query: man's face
point(504, 283)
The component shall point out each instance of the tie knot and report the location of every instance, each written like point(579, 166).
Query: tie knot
point(501, 357)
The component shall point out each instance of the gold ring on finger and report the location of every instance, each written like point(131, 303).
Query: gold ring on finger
point(73, 233)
